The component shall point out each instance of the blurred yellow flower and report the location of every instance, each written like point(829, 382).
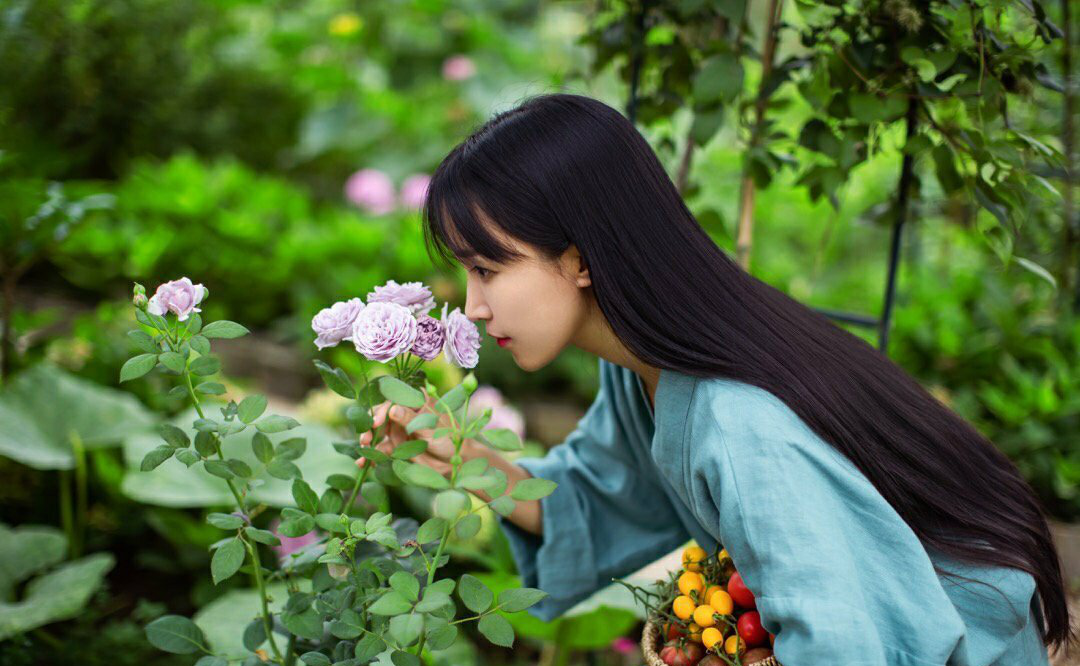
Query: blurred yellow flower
point(345, 24)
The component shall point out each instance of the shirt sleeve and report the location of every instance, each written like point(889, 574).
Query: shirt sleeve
point(607, 517)
point(838, 576)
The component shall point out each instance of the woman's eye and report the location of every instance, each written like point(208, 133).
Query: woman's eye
point(481, 272)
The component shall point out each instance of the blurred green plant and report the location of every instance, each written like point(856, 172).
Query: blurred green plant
point(58, 593)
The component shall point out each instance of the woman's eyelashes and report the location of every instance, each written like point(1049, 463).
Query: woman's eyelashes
point(481, 272)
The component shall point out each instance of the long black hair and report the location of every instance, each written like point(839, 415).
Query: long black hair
point(562, 169)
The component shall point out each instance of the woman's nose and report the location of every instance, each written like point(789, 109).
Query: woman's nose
point(475, 308)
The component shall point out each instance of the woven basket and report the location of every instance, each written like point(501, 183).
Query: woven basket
point(650, 641)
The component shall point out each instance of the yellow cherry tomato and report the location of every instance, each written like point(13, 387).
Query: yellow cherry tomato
point(694, 633)
point(693, 557)
point(721, 602)
point(703, 615)
point(709, 590)
point(683, 607)
point(734, 644)
point(711, 637)
point(692, 582)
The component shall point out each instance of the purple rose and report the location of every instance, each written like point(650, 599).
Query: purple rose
point(413, 191)
point(383, 330)
point(462, 338)
point(413, 295)
point(430, 336)
point(371, 190)
point(334, 324)
point(179, 297)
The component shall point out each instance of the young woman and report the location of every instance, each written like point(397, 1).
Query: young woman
point(874, 525)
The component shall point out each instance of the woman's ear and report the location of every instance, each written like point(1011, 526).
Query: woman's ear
point(579, 271)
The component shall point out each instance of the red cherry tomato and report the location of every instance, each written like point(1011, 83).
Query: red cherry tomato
point(674, 632)
point(689, 655)
point(750, 629)
point(772, 638)
point(739, 592)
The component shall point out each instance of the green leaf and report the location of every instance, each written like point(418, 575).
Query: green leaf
point(227, 560)
point(174, 436)
point(476, 595)
point(336, 380)
point(420, 475)
point(204, 444)
point(431, 530)
point(442, 636)
point(144, 342)
point(406, 585)
point(276, 423)
point(187, 456)
point(502, 439)
point(307, 624)
point(156, 457)
point(348, 625)
point(368, 647)
point(467, 527)
point(295, 523)
point(210, 388)
point(137, 366)
point(173, 361)
point(224, 329)
point(200, 344)
point(291, 449)
point(176, 634)
point(421, 422)
point(405, 629)
point(390, 603)
point(254, 634)
point(225, 521)
point(331, 501)
point(212, 660)
point(262, 536)
point(239, 468)
point(375, 493)
point(283, 469)
point(305, 497)
point(400, 393)
point(218, 468)
point(205, 365)
point(718, 79)
point(497, 630)
point(452, 400)
point(504, 506)
point(518, 599)
point(316, 658)
point(409, 449)
point(1037, 270)
point(532, 489)
point(262, 448)
point(251, 408)
point(359, 418)
point(401, 658)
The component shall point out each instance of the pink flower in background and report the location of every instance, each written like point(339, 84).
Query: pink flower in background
point(179, 297)
point(462, 338)
point(624, 645)
point(383, 330)
point(371, 190)
point(430, 337)
point(413, 295)
point(413, 191)
point(503, 415)
point(334, 324)
point(290, 545)
point(458, 68)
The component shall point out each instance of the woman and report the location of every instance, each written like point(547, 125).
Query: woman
point(874, 525)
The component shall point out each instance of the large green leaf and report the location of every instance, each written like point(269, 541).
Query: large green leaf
point(173, 484)
point(58, 595)
point(224, 619)
point(26, 550)
point(43, 405)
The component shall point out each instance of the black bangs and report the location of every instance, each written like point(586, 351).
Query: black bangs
point(456, 221)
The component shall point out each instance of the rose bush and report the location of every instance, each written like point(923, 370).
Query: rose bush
point(362, 584)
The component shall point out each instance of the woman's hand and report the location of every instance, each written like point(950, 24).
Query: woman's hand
point(439, 450)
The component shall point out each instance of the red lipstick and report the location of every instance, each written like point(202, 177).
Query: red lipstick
point(502, 341)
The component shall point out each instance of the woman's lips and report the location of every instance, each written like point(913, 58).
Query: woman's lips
point(502, 341)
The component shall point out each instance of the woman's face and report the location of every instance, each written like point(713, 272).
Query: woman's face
point(540, 309)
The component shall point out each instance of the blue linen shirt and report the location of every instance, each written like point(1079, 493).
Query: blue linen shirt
point(839, 577)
